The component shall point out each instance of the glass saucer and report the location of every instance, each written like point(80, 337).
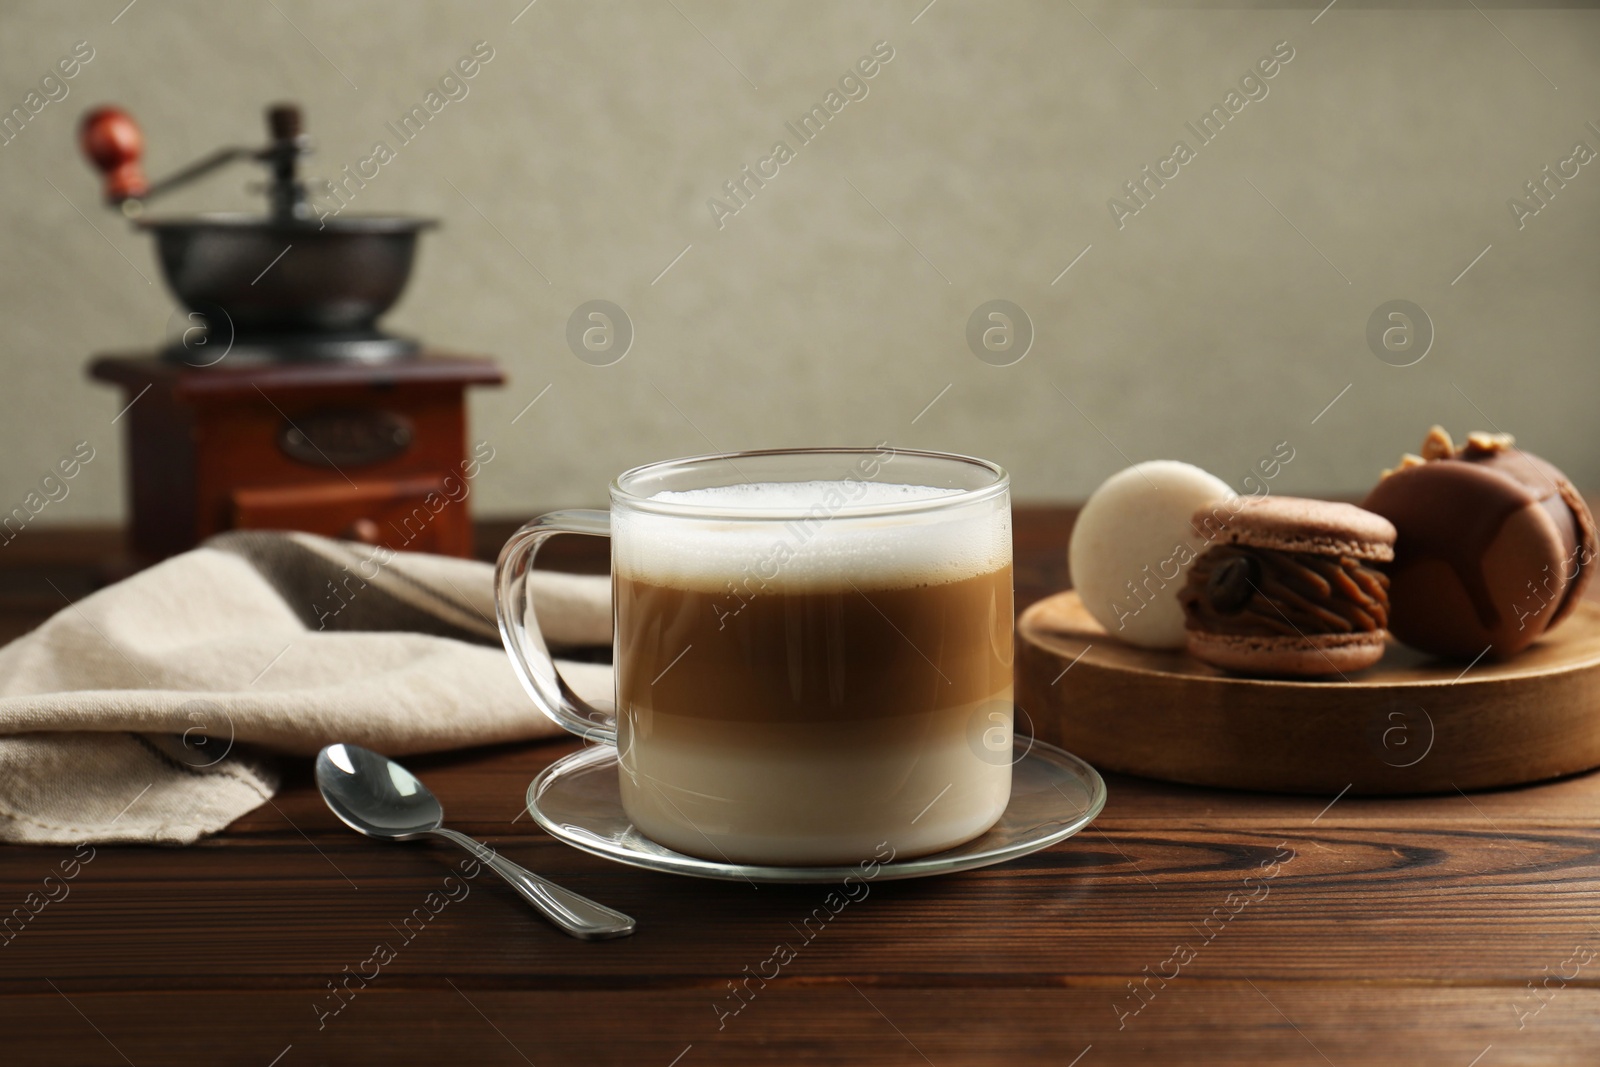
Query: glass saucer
point(1054, 794)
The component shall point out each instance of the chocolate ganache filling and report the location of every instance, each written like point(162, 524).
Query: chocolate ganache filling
point(1250, 591)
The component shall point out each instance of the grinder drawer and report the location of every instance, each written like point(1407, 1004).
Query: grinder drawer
point(410, 514)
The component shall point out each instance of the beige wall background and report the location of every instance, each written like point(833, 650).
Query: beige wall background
point(1221, 319)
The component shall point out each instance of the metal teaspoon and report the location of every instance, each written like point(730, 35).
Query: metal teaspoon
point(375, 796)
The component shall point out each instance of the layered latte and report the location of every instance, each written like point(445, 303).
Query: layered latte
point(798, 684)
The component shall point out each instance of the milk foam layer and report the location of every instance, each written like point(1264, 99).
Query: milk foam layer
point(800, 496)
point(818, 543)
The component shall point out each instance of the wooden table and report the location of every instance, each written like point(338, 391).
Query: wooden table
point(1452, 930)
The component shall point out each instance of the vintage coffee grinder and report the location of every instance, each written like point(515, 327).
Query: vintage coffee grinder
point(279, 403)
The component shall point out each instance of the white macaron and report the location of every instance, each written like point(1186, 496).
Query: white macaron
point(1132, 544)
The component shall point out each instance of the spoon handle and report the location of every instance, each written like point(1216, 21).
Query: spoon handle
point(572, 912)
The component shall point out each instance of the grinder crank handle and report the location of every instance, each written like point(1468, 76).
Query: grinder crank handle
point(113, 143)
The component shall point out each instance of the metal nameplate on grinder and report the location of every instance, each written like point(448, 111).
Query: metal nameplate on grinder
point(345, 437)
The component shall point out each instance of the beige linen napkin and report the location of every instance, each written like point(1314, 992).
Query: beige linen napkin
point(151, 710)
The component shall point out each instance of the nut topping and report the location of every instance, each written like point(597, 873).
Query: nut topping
point(1480, 443)
point(1438, 445)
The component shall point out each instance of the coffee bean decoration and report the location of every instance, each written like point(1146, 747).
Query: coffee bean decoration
point(1232, 583)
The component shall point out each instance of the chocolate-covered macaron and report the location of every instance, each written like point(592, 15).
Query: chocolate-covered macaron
point(1289, 587)
point(1495, 546)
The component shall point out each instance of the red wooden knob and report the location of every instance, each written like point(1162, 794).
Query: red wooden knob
point(113, 143)
point(364, 530)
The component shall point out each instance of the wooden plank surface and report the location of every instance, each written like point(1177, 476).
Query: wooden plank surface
point(1426, 930)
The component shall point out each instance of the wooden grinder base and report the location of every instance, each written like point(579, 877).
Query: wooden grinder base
point(1407, 725)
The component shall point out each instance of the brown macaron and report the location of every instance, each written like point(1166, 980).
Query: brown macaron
point(1287, 588)
point(1495, 546)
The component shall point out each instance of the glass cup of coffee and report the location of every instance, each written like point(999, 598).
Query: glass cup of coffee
point(813, 650)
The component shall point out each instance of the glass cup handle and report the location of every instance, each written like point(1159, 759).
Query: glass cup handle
point(530, 657)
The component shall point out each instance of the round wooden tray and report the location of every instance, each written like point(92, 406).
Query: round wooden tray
point(1410, 724)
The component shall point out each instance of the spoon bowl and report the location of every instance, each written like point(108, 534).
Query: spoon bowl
point(374, 795)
